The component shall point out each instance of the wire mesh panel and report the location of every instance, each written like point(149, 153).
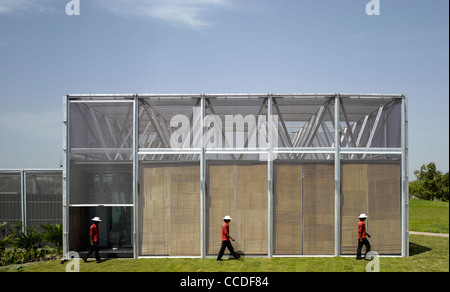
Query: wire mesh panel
point(10, 198)
point(44, 198)
point(354, 202)
point(169, 211)
point(384, 222)
point(288, 210)
point(101, 152)
point(318, 209)
point(371, 123)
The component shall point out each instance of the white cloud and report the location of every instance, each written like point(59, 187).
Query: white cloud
point(14, 6)
point(190, 13)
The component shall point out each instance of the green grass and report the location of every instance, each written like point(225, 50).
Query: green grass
point(427, 253)
point(428, 216)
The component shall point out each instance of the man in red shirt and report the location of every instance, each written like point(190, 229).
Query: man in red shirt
point(93, 235)
point(362, 236)
point(226, 240)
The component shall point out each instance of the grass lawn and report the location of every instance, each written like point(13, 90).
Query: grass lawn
point(428, 216)
point(428, 253)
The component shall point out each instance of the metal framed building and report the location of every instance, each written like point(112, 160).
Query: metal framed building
point(32, 197)
point(294, 171)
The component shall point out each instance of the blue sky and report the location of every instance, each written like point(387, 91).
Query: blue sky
point(211, 46)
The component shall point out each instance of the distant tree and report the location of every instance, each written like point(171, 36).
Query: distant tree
point(431, 184)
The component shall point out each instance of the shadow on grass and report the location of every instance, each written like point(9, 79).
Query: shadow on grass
point(415, 249)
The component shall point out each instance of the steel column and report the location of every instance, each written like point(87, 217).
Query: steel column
point(405, 178)
point(337, 179)
point(270, 157)
point(203, 182)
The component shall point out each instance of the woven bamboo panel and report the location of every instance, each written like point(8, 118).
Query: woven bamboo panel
point(170, 211)
point(288, 226)
point(221, 201)
point(353, 202)
point(155, 211)
point(241, 192)
point(185, 211)
point(318, 209)
point(251, 214)
point(384, 222)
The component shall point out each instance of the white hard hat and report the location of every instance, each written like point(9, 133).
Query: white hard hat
point(227, 217)
point(362, 216)
point(96, 219)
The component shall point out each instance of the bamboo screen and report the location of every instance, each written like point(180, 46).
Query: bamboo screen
point(373, 189)
point(384, 222)
point(241, 192)
point(353, 202)
point(318, 209)
point(288, 218)
point(304, 209)
point(169, 211)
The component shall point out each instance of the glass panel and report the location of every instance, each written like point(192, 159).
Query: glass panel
point(115, 230)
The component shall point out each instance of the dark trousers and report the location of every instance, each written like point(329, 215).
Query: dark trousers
point(94, 248)
point(227, 244)
point(365, 242)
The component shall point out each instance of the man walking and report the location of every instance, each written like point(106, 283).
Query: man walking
point(226, 240)
point(362, 236)
point(93, 235)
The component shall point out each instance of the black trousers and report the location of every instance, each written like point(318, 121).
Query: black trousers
point(365, 242)
point(227, 244)
point(94, 248)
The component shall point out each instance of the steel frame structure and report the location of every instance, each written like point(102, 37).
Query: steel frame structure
point(358, 132)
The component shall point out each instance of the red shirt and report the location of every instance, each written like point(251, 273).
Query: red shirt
point(93, 232)
point(225, 231)
point(362, 229)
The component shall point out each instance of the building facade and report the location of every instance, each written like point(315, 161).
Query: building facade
point(294, 171)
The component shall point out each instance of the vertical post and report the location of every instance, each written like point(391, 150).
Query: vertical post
point(270, 178)
point(337, 179)
point(135, 174)
point(405, 178)
point(65, 177)
point(23, 198)
point(202, 181)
